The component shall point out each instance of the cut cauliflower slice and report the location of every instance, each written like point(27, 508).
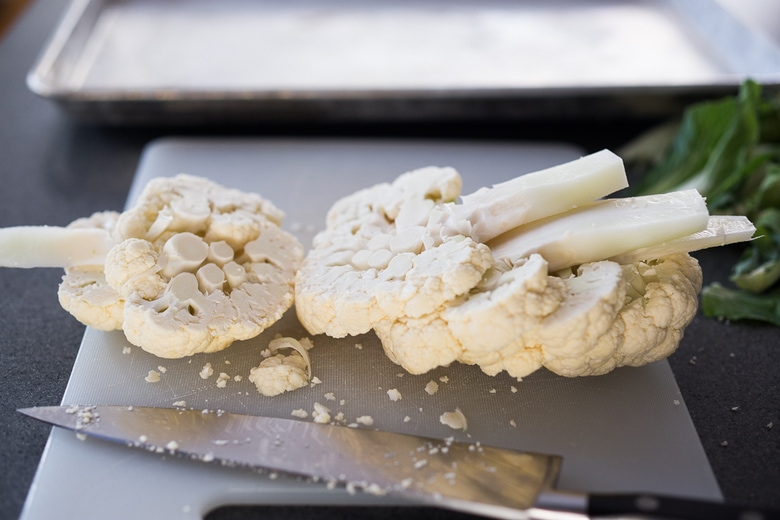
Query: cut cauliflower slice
point(192, 267)
point(200, 266)
point(513, 279)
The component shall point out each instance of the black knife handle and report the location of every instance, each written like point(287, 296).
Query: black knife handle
point(655, 506)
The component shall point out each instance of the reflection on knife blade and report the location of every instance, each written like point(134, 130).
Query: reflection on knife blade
point(478, 479)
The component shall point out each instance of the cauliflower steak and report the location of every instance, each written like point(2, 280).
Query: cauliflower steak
point(539, 271)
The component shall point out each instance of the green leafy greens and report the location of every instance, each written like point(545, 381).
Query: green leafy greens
point(728, 149)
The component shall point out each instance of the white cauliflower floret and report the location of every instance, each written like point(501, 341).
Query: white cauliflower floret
point(570, 336)
point(279, 373)
point(283, 373)
point(660, 314)
point(418, 344)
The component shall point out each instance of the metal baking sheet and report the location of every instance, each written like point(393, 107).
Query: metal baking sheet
point(124, 61)
point(628, 430)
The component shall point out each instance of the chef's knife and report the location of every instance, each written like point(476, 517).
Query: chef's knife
point(482, 480)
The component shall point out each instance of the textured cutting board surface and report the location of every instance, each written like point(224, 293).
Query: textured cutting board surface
point(628, 430)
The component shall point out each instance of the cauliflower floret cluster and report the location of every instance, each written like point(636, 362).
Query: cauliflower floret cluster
point(195, 267)
point(575, 287)
point(378, 258)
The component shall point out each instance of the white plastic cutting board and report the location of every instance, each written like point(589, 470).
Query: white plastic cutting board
point(625, 431)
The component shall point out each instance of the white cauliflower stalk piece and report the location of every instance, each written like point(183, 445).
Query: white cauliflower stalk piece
point(192, 267)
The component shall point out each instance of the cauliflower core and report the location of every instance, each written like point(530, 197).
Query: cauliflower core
point(194, 266)
point(511, 280)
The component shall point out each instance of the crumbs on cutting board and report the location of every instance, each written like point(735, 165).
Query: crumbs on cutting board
point(320, 413)
point(152, 377)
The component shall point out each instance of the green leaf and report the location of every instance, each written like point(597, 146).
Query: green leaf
point(700, 129)
point(759, 267)
point(712, 149)
point(734, 305)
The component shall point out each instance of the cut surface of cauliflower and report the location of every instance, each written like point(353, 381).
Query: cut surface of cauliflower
point(377, 259)
point(200, 266)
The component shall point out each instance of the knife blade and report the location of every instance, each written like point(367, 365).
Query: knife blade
point(469, 477)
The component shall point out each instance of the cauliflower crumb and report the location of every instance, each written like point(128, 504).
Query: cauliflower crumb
point(279, 373)
point(330, 396)
point(512, 423)
point(492, 391)
point(162, 369)
point(152, 377)
point(321, 414)
point(126, 350)
point(513, 389)
point(444, 379)
point(315, 381)
point(222, 380)
point(359, 346)
point(394, 394)
point(769, 425)
point(180, 403)
point(432, 387)
point(455, 420)
point(172, 446)
point(339, 417)
point(365, 420)
point(300, 413)
point(238, 378)
point(407, 419)
point(206, 372)
point(420, 464)
point(306, 343)
point(343, 402)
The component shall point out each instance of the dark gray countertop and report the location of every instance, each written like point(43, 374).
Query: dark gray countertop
point(54, 170)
